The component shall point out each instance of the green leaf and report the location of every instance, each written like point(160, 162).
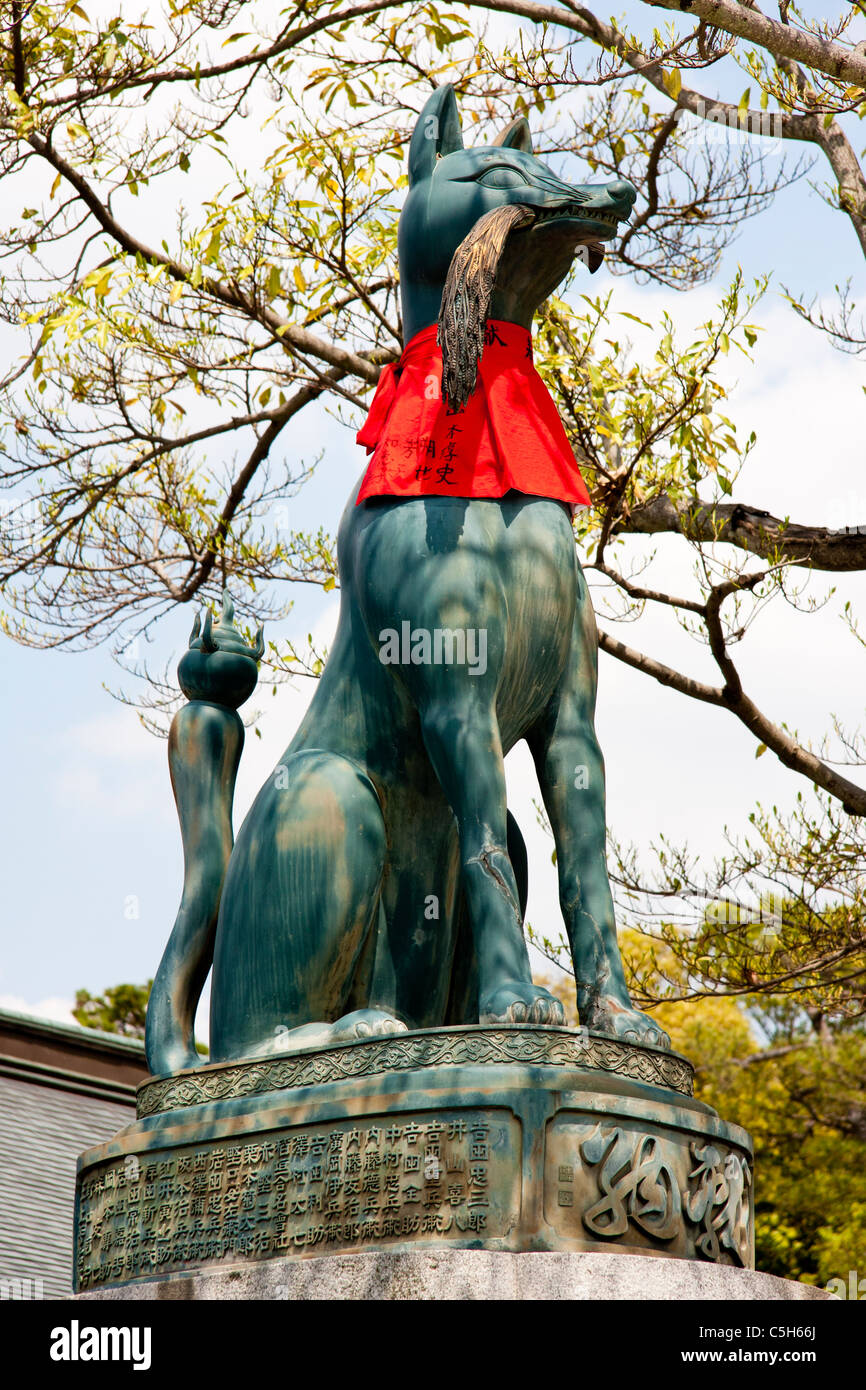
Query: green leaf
point(760, 750)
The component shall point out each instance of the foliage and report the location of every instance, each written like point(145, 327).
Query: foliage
point(120, 1009)
point(801, 1095)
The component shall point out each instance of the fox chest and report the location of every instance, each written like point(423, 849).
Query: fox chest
point(470, 595)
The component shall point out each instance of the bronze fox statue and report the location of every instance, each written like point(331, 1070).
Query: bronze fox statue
point(378, 882)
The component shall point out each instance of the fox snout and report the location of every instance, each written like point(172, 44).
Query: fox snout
point(452, 188)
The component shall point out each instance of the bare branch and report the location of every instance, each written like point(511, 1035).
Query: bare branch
point(732, 697)
point(752, 530)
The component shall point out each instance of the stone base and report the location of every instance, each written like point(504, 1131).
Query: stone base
point(470, 1275)
point(517, 1140)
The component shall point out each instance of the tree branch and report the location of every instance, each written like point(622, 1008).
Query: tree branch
point(262, 448)
point(665, 675)
point(753, 530)
point(824, 55)
point(228, 294)
point(258, 58)
point(18, 69)
point(732, 697)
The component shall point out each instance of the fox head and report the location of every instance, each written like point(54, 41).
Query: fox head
point(451, 189)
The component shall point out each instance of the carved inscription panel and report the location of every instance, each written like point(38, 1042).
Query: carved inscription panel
point(448, 1175)
point(650, 1188)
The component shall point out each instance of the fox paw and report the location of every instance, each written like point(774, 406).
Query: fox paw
point(607, 1014)
point(366, 1023)
point(516, 1002)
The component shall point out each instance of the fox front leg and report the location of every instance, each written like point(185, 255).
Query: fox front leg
point(463, 742)
point(570, 770)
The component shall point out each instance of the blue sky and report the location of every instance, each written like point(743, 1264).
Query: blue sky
point(91, 856)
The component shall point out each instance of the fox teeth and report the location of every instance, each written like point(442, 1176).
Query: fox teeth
point(576, 210)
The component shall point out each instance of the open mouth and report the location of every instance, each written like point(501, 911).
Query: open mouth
point(577, 210)
point(471, 278)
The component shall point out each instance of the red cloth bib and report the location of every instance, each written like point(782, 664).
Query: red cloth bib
point(508, 435)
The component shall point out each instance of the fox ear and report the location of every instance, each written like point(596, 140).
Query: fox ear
point(437, 132)
point(516, 136)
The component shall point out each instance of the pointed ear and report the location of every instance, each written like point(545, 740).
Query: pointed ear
point(516, 136)
point(437, 132)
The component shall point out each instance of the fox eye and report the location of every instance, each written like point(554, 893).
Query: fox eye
point(503, 177)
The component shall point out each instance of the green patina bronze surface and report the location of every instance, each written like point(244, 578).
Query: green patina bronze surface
point(514, 1155)
point(434, 1047)
point(217, 673)
point(384, 1073)
point(378, 881)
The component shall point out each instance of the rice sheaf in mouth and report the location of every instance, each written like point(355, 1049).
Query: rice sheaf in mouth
point(469, 284)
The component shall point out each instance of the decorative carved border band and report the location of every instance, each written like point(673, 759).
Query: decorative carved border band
point(434, 1047)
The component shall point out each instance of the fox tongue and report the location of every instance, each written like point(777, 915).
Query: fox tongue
point(592, 255)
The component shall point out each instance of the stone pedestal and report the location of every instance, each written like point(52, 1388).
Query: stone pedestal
point(470, 1276)
point(507, 1140)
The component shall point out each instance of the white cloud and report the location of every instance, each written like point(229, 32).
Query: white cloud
point(56, 1009)
point(110, 765)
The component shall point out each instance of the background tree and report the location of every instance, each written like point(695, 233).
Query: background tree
point(798, 1090)
point(120, 1009)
